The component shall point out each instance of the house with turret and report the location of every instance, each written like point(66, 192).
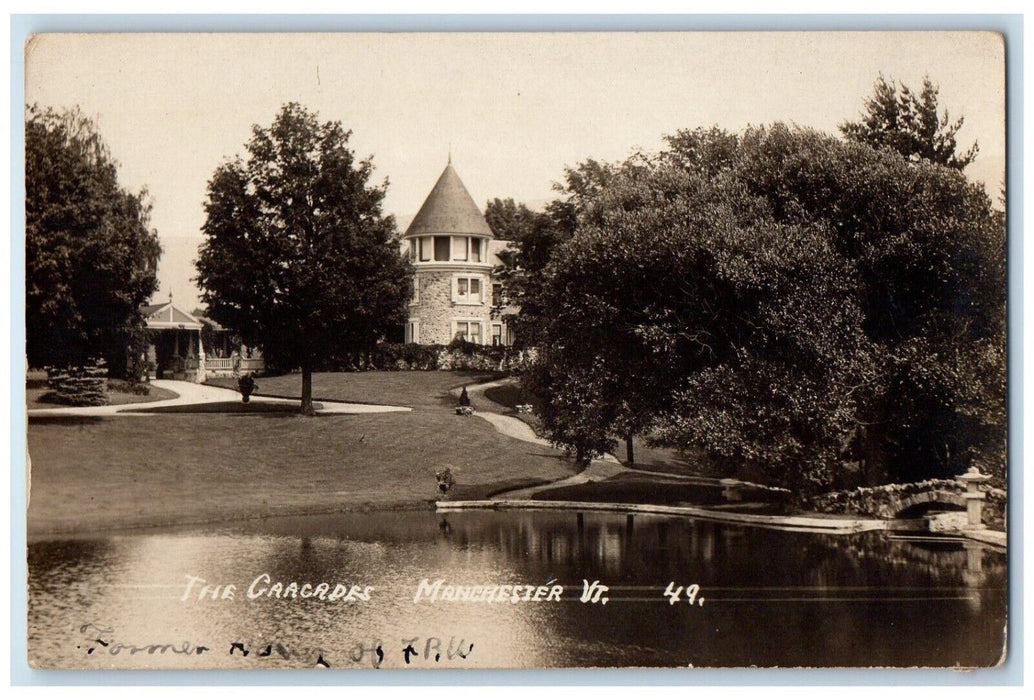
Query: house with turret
point(454, 252)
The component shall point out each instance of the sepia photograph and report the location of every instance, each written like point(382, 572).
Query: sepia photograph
point(522, 350)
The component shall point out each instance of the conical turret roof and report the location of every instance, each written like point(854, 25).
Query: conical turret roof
point(449, 209)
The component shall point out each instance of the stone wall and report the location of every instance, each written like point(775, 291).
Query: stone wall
point(436, 310)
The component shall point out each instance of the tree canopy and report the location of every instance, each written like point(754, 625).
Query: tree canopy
point(298, 256)
point(814, 311)
point(90, 255)
point(897, 117)
point(533, 236)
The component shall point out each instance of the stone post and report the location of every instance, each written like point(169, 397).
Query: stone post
point(974, 497)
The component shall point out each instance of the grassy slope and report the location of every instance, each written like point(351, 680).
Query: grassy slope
point(418, 389)
point(660, 459)
point(90, 474)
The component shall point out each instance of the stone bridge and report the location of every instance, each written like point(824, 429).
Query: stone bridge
point(941, 496)
point(962, 493)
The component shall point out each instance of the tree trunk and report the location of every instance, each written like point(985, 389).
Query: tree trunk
point(629, 449)
point(307, 388)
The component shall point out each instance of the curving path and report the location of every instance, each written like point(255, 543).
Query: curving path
point(599, 470)
point(510, 425)
point(190, 393)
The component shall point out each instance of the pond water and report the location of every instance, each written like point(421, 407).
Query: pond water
point(766, 597)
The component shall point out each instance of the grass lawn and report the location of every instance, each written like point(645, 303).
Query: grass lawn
point(93, 474)
point(415, 389)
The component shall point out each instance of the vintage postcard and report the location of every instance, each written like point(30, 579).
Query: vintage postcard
point(516, 350)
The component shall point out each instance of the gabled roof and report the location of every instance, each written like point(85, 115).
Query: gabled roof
point(163, 316)
point(449, 209)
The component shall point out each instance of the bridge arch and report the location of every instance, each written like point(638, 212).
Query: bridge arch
point(940, 496)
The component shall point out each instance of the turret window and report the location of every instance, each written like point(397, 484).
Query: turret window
point(441, 248)
point(459, 248)
point(467, 290)
point(447, 249)
point(469, 331)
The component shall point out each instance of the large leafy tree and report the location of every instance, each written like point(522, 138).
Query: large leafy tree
point(298, 256)
point(677, 310)
point(90, 255)
point(910, 123)
point(929, 251)
point(534, 235)
point(816, 311)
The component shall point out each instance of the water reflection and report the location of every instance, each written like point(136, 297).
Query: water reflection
point(771, 598)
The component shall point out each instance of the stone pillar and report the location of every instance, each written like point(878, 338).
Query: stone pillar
point(974, 497)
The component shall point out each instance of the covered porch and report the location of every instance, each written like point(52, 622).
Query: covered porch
point(176, 350)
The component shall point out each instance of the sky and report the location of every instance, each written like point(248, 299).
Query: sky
point(514, 109)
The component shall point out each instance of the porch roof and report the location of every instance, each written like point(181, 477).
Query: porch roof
point(168, 317)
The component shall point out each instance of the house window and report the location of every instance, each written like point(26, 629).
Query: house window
point(425, 249)
point(475, 249)
point(441, 249)
point(413, 331)
point(467, 290)
point(469, 331)
point(497, 294)
point(497, 334)
point(459, 248)
point(412, 248)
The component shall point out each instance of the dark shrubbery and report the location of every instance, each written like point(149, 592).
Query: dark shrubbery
point(126, 386)
point(458, 355)
point(246, 385)
point(78, 386)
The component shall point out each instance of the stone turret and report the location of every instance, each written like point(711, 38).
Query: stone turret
point(453, 250)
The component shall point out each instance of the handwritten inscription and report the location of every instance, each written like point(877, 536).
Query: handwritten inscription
point(101, 639)
point(309, 655)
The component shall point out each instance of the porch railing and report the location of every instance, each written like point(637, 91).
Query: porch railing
point(225, 364)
